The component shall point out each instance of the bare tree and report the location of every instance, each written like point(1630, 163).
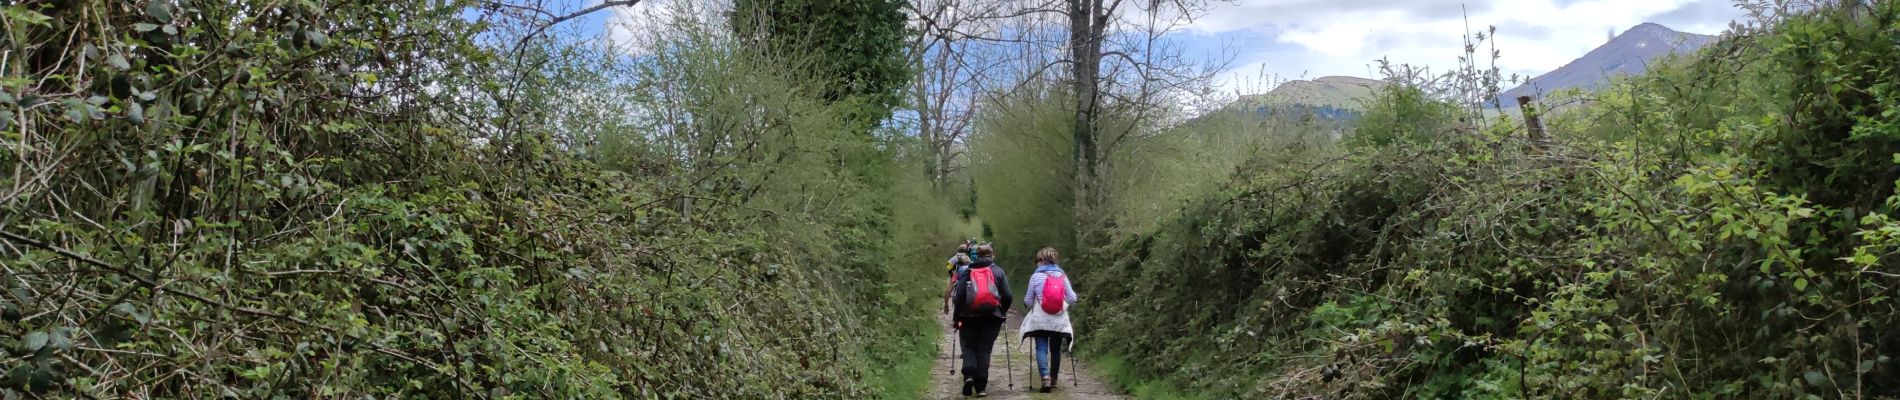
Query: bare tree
point(954, 66)
point(1125, 77)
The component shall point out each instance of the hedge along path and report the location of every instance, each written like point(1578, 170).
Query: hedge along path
point(949, 382)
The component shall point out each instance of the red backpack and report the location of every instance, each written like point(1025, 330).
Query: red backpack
point(980, 295)
point(1054, 294)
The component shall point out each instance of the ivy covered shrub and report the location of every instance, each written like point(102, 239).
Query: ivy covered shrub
point(1687, 235)
point(344, 199)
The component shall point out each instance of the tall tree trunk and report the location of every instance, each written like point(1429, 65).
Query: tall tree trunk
point(944, 156)
point(1085, 53)
point(926, 126)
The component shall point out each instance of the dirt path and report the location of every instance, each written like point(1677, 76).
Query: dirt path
point(948, 383)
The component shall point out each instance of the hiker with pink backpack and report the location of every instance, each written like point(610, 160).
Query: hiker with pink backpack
point(1048, 296)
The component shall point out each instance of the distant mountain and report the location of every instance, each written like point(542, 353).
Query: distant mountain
point(1342, 92)
point(1332, 98)
point(1626, 54)
point(1334, 101)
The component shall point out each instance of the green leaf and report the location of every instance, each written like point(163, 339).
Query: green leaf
point(159, 10)
point(1817, 379)
point(1801, 284)
point(6, 98)
point(75, 110)
point(62, 338)
point(28, 15)
point(34, 341)
point(317, 39)
point(117, 61)
point(132, 311)
point(135, 112)
point(143, 27)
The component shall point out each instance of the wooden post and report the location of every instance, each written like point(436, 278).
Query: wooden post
point(1530, 118)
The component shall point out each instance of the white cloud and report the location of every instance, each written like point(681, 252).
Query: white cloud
point(1311, 38)
point(631, 28)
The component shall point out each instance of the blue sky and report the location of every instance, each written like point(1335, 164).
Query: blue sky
point(1268, 41)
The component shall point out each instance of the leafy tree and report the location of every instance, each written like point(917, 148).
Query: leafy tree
point(856, 47)
point(1404, 114)
point(1021, 159)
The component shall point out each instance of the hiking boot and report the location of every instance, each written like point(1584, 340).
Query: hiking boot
point(982, 394)
point(1047, 386)
point(969, 386)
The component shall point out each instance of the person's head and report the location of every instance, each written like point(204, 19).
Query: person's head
point(963, 247)
point(985, 251)
point(963, 259)
point(1047, 256)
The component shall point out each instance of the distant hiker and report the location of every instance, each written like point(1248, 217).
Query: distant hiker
point(962, 254)
point(982, 302)
point(958, 263)
point(1048, 296)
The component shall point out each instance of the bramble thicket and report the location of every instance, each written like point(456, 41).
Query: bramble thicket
point(320, 199)
point(1720, 227)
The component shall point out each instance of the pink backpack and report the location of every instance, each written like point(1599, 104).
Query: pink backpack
point(1054, 294)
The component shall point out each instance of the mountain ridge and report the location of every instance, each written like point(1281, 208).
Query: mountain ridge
point(1335, 91)
point(1626, 54)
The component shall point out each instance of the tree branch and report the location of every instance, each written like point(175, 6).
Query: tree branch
point(577, 14)
point(507, 104)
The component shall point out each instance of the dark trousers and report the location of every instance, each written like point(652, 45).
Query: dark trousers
point(978, 337)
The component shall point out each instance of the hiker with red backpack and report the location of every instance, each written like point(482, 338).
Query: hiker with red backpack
point(964, 256)
point(1048, 296)
point(982, 299)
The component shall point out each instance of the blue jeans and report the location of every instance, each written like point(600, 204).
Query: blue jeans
point(1048, 355)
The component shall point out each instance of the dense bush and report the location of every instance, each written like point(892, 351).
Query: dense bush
point(1022, 165)
point(1687, 235)
point(1023, 171)
point(389, 199)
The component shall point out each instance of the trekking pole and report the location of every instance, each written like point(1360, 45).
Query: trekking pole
point(1075, 369)
point(950, 366)
point(1009, 367)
